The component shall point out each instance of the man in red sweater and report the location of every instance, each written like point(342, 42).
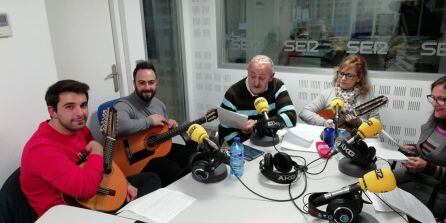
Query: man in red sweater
point(49, 160)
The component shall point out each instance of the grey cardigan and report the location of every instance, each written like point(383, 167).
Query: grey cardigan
point(438, 156)
point(322, 102)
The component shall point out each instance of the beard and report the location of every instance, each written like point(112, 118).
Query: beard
point(146, 95)
point(73, 125)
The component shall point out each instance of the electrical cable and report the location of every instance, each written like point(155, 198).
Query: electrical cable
point(264, 197)
point(305, 189)
point(325, 166)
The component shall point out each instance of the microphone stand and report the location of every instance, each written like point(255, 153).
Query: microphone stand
point(336, 121)
point(264, 136)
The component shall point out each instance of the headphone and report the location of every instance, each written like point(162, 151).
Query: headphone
point(360, 153)
point(283, 163)
point(342, 209)
point(203, 164)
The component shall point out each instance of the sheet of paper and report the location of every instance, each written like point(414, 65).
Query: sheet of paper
point(378, 204)
point(293, 142)
point(384, 134)
point(230, 118)
point(407, 203)
point(385, 150)
point(307, 132)
point(159, 206)
point(302, 137)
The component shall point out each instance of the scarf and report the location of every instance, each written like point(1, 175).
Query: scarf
point(348, 96)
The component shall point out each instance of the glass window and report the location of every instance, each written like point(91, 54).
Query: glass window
point(393, 35)
point(162, 41)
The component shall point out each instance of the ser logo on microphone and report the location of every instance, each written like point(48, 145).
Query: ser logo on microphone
point(191, 129)
point(379, 174)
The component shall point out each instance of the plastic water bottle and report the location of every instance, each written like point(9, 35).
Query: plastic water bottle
point(236, 160)
point(329, 136)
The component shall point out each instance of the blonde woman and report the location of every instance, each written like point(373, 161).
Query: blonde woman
point(352, 85)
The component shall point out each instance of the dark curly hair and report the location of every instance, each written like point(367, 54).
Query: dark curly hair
point(53, 92)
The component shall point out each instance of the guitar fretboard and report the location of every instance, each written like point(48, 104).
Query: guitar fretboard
point(173, 132)
point(108, 154)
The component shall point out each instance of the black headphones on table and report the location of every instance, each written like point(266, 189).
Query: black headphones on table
point(341, 209)
point(203, 164)
point(358, 152)
point(283, 163)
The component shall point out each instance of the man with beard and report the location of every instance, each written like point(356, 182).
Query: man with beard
point(49, 160)
point(141, 111)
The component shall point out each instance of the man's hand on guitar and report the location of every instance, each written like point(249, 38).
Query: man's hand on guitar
point(353, 120)
point(172, 123)
point(132, 192)
point(247, 129)
point(158, 120)
point(94, 147)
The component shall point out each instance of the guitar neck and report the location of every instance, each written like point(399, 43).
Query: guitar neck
point(108, 154)
point(173, 132)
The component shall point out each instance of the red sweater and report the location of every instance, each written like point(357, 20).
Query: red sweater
point(49, 168)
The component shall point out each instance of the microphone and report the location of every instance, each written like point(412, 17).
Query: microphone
point(337, 105)
point(261, 105)
point(265, 130)
point(376, 181)
point(198, 134)
point(367, 129)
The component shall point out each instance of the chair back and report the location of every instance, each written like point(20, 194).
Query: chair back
point(14, 206)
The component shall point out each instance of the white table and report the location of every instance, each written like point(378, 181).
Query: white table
point(69, 214)
point(230, 201)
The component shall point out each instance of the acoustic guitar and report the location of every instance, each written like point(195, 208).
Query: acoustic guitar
point(133, 153)
point(359, 110)
point(112, 191)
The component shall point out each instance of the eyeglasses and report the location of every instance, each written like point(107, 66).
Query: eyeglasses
point(348, 76)
point(431, 99)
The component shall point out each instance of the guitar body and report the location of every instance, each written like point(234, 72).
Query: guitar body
point(114, 182)
point(329, 114)
point(132, 153)
point(112, 191)
point(110, 196)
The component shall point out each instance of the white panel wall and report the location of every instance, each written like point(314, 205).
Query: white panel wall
point(27, 68)
point(206, 84)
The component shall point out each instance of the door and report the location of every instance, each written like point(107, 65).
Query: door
point(83, 46)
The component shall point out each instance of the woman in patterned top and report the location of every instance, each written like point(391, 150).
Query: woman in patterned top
point(352, 85)
point(423, 174)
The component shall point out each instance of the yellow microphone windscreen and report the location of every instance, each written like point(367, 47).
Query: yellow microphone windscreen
point(197, 133)
point(261, 105)
point(378, 181)
point(337, 101)
point(369, 128)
